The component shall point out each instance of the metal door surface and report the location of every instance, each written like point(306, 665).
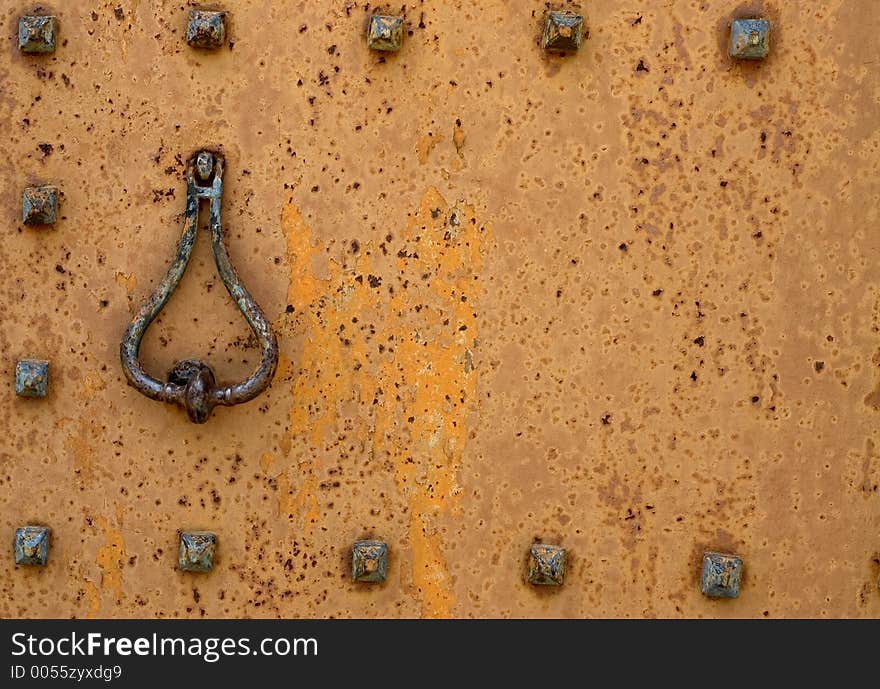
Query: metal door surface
point(624, 300)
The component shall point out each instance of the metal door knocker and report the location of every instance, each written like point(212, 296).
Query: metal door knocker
point(191, 382)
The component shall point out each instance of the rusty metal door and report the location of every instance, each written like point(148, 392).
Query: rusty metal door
point(624, 300)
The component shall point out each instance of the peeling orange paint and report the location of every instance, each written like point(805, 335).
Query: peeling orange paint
point(110, 559)
point(80, 444)
point(431, 326)
point(303, 502)
point(126, 280)
point(94, 597)
point(92, 385)
point(425, 145)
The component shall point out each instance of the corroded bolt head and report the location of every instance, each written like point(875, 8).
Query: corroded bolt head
point(31, 545)
point(546, 565)
point(39, 205)
point(206, 29)
point(563, 32)
point(386, 33)
point(37, 34)
point(204, 165)
point(369, 561)
point(196, 551)
point(749, 39)
point(31, 378)
point(721, 575)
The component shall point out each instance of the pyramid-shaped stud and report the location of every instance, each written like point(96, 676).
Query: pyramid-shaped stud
point(546, 565)
point(206, 29)
point(39, 205)
point(196, 551)
point(369, 561)
point(721, 576)
point(31, 378)
point(32, 545)
point(563, 32)
point(386, 33)
point(37, 34)
point(749, 39)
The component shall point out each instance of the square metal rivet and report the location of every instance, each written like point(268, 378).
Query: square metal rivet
point(386, 33)
point(369, 561)
point(32, 545)
point(31, 378)
point(563, 32)
point(206, 29)
point(546, 565)
point(749, 39)
point(196, 551)
point(37, 34)
point(721, 575)
point(39, 205)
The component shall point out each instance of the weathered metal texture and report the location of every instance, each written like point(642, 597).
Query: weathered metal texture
point(196, 551)
point(369, 561)
point(546, 565)
point(39, 205)
point(31, 546)
point(36, 34)
point(721, 575)
point(206, 29)
point(563, 31)
point(31, 378)
point(749, 39)
point(625, 301)
point(191, 383)
point(385, 33)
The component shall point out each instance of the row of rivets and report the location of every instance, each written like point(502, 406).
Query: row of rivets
point(369, 561)
point(563, 32)
point(720, 577)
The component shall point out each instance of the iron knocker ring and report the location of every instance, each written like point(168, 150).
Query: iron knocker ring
point(191, 382)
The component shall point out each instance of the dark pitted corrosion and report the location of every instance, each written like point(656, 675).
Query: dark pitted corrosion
point(191, 382)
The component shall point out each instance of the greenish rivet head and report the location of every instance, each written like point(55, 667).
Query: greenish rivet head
point(546, 565)
point(31, 378)
point(31, 545)
point(369, 562)
point(749, 39)
point(206, 29)
point(721, 575)
point(196, 553)
point(39, 205)
point(385, 33)
point(36, 34)
point(563, 32)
